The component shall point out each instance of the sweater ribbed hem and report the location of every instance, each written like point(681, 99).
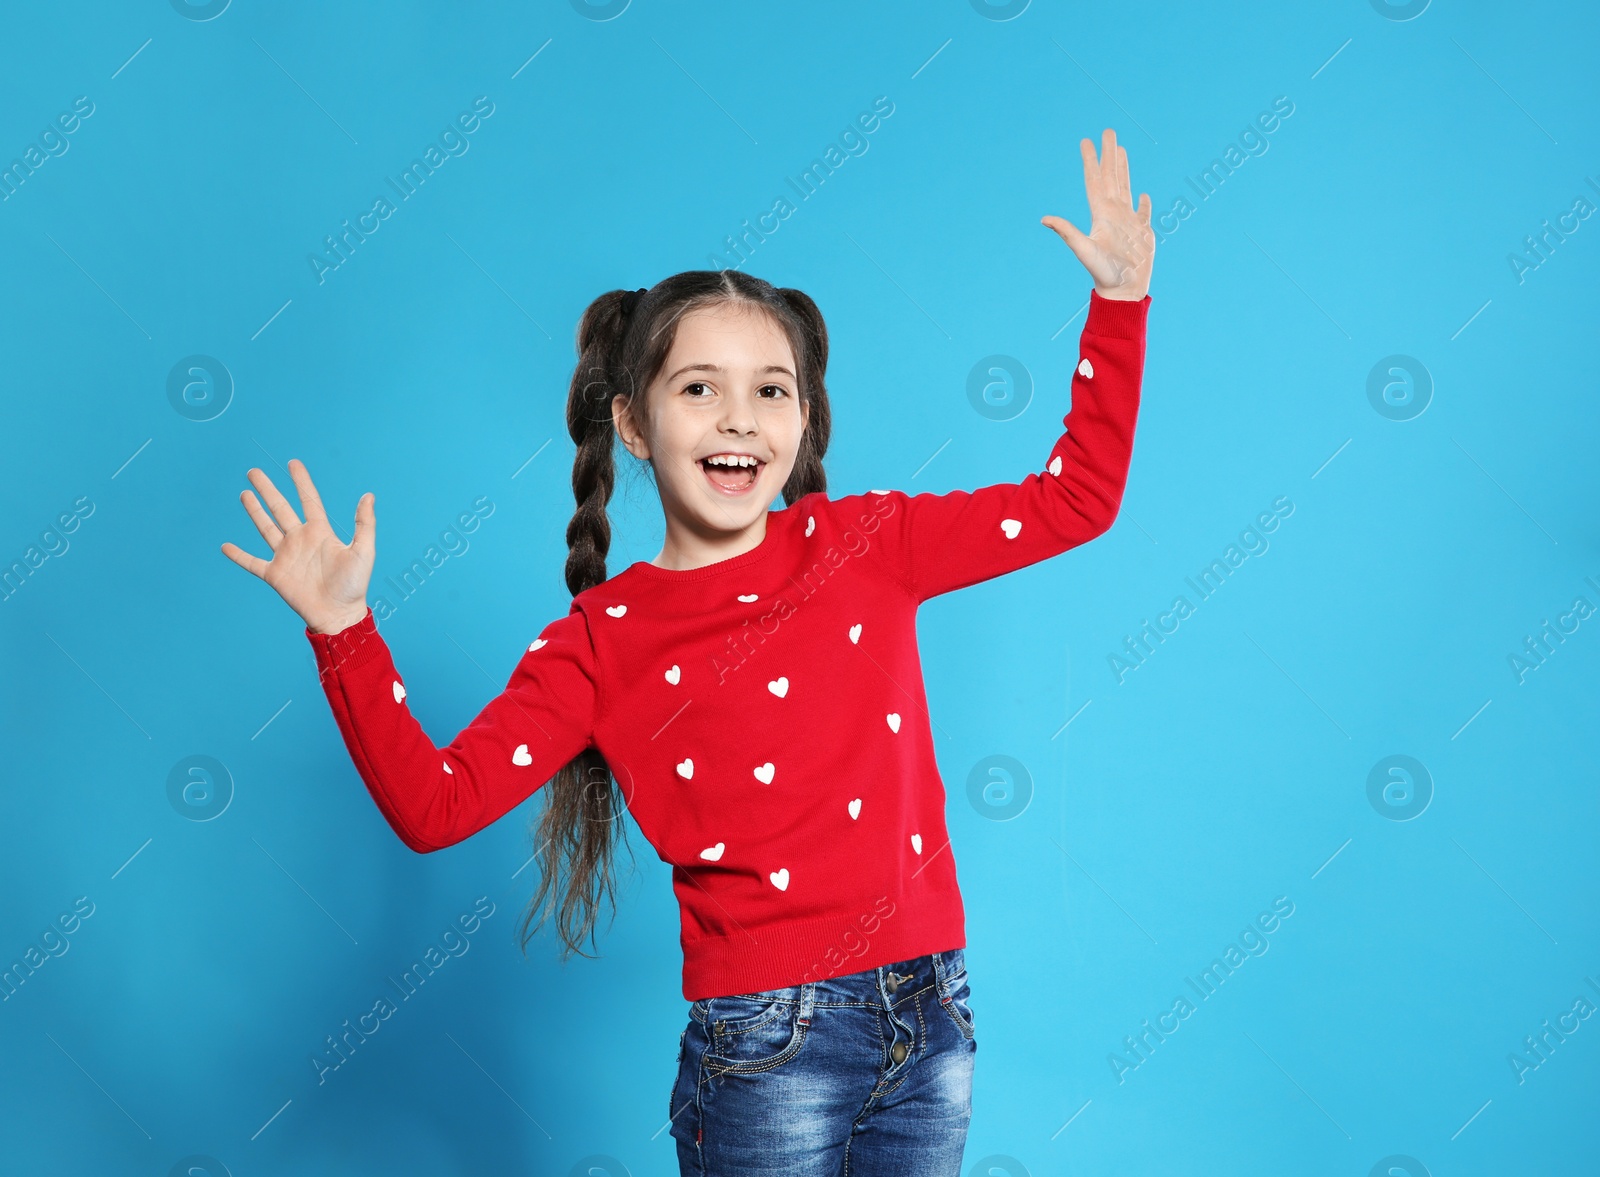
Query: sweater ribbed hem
point(802, 951)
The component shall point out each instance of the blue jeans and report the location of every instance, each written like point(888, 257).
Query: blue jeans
point(867, 1074)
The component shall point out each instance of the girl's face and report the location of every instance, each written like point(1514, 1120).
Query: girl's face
point(728, 387)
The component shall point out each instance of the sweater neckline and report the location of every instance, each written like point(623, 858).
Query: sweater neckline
point(716, 567)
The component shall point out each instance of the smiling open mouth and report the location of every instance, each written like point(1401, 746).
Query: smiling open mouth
point(732, 475)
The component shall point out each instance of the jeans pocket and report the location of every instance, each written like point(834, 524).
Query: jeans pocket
point(752, 1032)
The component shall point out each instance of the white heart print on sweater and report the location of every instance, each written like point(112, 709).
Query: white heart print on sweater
point(1011, 527)
point(1085, 368)
point(894, 721)
point(748, 597)
point(780, 879)
point(537, 642)
point(811, 523)
point(520, 757)
point(1055, 464)
point(686, 769)
point(765, 773)
point(399, 691)
point(712, 853)
point(855, 809)
point(616, 610)
point(855, 633)
point(779, 686)
point(674, 674)
point(448, 769)
point(916, 843)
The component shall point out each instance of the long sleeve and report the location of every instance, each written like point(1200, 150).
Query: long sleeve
point(937, 543)
point(435, 797)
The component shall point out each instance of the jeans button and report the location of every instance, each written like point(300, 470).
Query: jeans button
point(898, 1052)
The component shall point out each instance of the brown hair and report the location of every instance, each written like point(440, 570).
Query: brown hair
point(617, 353)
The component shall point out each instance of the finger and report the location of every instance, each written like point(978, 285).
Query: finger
point(1116, 183)
point(264, 524)
point(1091, 169)
point(245, 560)
point(1125, 191)
point(310, 500)
point(282, 513)
point(1144, 207)
point(366, 523)
point(1075, 238)
point(1109, 164)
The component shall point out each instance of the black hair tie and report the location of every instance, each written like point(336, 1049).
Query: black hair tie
point(630, 300)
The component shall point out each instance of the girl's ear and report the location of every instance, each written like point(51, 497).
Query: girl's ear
point(624, 426)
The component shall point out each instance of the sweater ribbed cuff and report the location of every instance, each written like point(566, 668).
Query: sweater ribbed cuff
point(1116, 318)
point(347, 649)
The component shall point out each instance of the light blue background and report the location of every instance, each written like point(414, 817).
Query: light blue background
point(1229, 769)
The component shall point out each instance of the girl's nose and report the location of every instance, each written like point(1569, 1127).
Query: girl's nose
point(738, 415)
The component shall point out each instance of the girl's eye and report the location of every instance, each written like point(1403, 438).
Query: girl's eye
point(777, 388)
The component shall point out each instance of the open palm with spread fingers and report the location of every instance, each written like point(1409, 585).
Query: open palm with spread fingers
point(322, 578)
point(1120, 245)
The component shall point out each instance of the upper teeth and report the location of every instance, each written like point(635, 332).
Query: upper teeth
point(731, 460)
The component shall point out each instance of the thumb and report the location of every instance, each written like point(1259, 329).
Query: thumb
point(366, 523)
point(1076, 240)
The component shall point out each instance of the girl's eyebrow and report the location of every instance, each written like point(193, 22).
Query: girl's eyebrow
point(718, 368)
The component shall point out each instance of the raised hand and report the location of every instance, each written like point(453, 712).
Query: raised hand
point(1120, 246)
point(320, 577)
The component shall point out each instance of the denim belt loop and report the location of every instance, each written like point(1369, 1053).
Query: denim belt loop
point(941, 977)
point(808, 1000)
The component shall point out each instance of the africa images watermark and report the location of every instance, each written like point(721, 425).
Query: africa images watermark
point(52, 943)
point(406, 184)
point(1252, 142)
point(456, 943)
point(1536, 252)
point(739, 648)
point(1538, 648)
point(1137, 648)
point(53, 142)
point(452, 543)
point(852, 142)
point(1537, 1049)
point(53, 544)
point(1139, 1048)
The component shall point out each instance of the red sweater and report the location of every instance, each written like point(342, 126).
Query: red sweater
point(764, 715)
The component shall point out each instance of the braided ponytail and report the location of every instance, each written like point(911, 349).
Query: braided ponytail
point(808, 476)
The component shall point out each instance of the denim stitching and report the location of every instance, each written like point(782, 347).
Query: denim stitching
point(754, 1021)
point(717, 1066)
point(872, 1097)
point(889, 1058)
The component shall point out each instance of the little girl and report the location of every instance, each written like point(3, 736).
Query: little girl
point(752, 696)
